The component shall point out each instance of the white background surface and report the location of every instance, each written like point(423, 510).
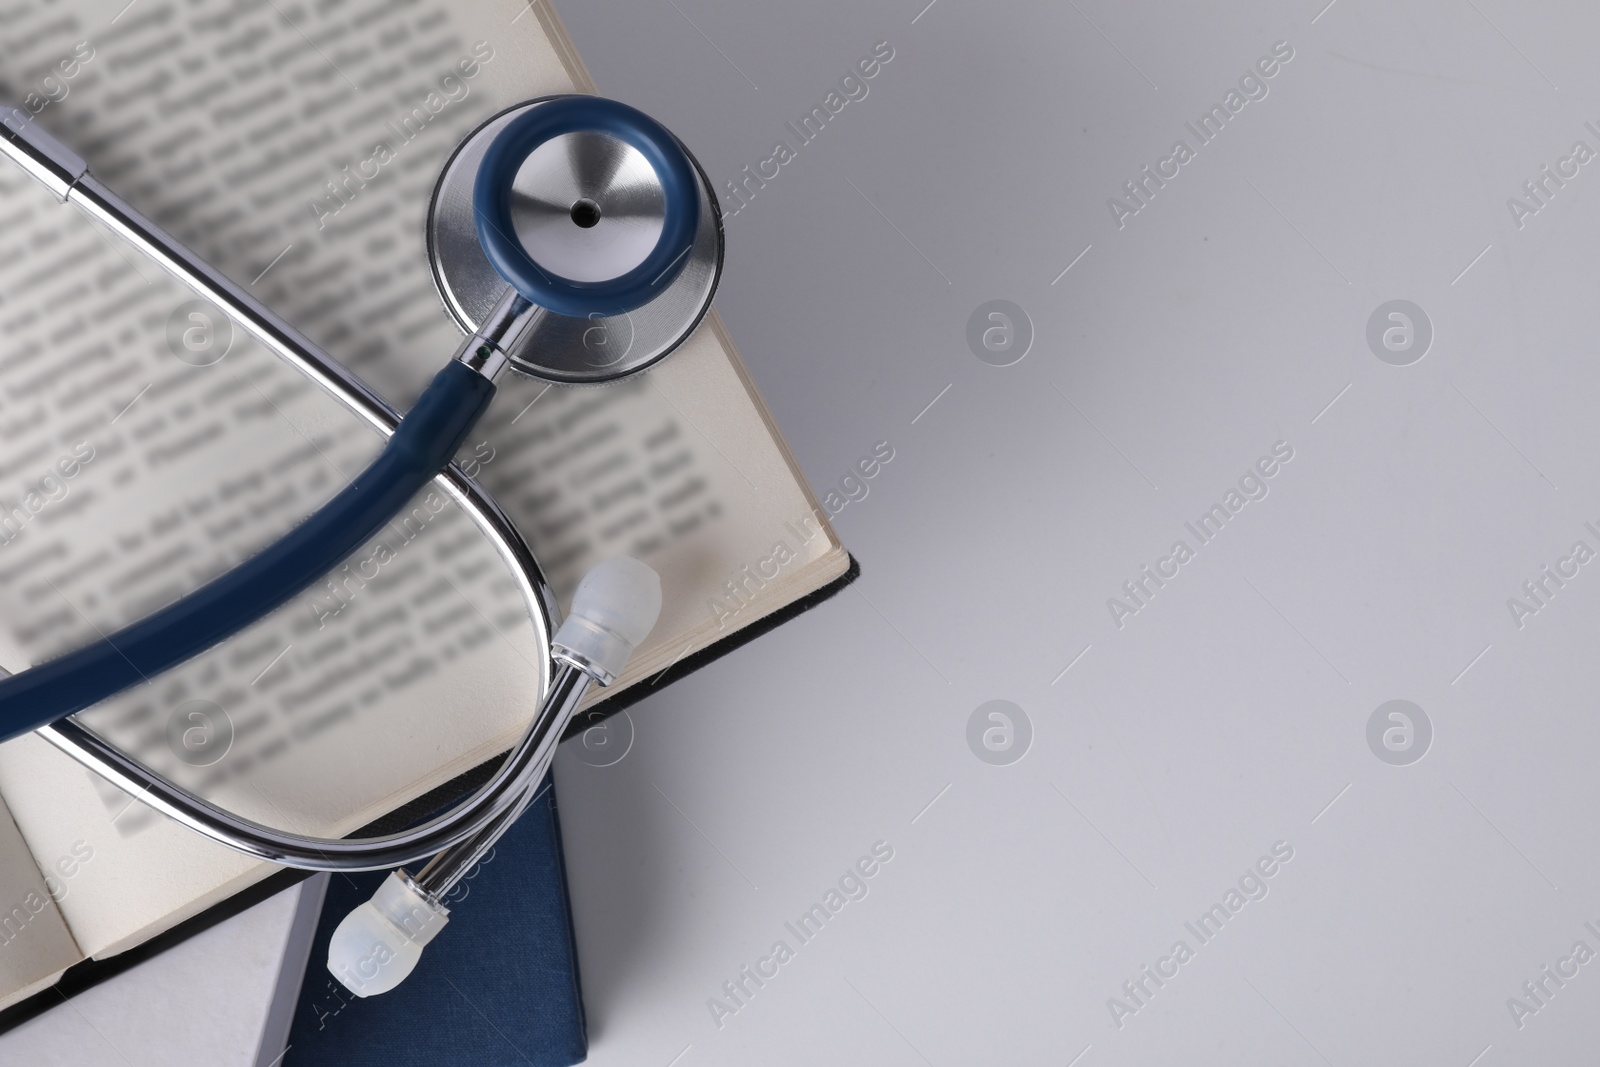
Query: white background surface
point(1231, 712)
point(1228, 714)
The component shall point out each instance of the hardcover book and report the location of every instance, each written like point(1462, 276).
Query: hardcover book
point(146, 445)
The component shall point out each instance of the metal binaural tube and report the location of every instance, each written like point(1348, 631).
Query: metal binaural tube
point(507, 792)
point(454, 863)
point(36, 150)
point(613, 610)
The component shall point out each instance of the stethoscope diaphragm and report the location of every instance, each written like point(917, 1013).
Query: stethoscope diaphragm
point(578, 203)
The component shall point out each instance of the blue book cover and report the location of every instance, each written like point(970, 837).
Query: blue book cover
point(499, 985)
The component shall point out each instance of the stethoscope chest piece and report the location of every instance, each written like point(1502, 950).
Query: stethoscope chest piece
point(592, 212)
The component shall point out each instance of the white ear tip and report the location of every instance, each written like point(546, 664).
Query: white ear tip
point(376, 946)
point(613, 611)
point(623, 595)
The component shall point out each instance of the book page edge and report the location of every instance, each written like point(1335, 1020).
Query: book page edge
point(18, 996)
point(582, 80)
point(9, 998)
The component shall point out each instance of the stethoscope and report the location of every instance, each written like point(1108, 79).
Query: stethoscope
point(573, 239)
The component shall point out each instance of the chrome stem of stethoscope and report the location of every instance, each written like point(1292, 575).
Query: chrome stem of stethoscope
point(488, 349)
point(65, 174)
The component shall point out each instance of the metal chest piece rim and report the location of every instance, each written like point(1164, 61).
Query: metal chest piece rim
point(603, 175)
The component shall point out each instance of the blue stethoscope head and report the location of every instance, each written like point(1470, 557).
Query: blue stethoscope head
point(586, 206)
point(592, 213)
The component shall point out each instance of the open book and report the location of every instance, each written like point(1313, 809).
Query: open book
point(145, 446)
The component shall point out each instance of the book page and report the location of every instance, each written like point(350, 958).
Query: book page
point(145, 446)
point(35, 945)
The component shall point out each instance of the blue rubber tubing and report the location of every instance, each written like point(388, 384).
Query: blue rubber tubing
point(421, 446)
point(491, 201)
